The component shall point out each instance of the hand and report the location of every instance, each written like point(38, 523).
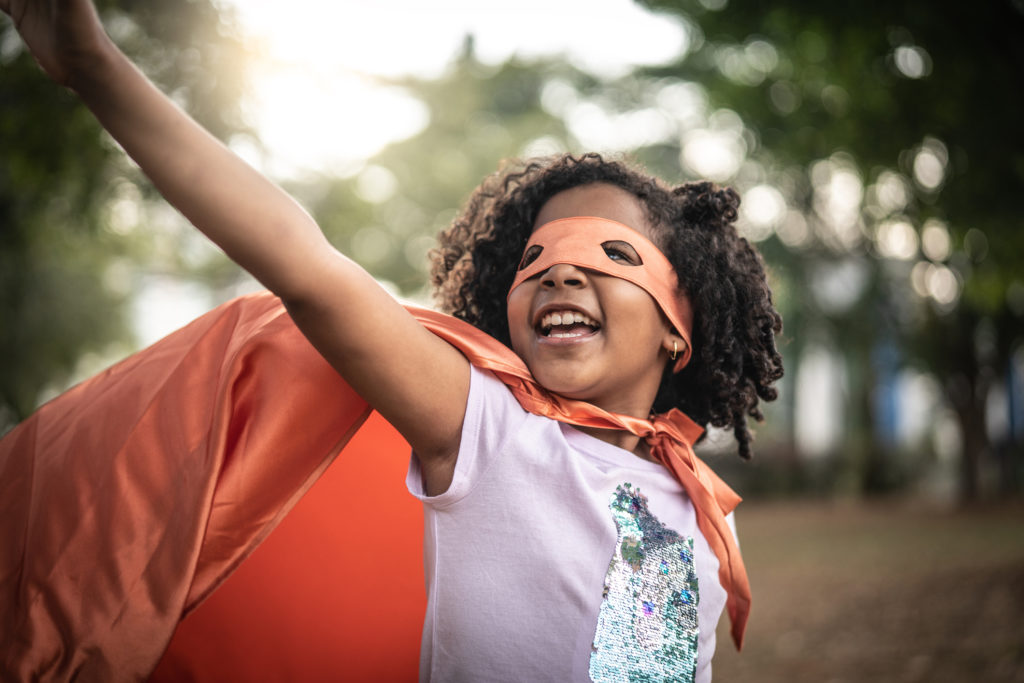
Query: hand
point(62, 35)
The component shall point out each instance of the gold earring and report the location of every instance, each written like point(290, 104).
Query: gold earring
point(675, 349)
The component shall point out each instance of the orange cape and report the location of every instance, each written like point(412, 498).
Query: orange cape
point(125, 502)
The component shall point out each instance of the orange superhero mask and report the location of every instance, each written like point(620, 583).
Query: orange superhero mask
point(580, 241)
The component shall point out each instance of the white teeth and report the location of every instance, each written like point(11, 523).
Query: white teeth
point(565, 318)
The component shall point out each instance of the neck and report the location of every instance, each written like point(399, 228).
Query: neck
point(621, 438)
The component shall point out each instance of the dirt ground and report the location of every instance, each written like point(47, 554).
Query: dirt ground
point(847, 592)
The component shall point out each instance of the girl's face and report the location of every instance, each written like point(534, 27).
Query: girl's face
point(610, 343)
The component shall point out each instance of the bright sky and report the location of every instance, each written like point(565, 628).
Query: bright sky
point(315, 102)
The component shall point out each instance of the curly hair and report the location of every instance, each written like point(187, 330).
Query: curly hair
point(734, 362)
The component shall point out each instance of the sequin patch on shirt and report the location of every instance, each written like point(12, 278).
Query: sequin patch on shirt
point(647, 626)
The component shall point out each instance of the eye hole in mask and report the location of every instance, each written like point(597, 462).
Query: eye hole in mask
point(622, 252)
point(530, 255)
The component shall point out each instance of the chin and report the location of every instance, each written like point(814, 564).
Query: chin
point(563, 384)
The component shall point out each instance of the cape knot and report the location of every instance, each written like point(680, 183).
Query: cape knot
point(674, 426)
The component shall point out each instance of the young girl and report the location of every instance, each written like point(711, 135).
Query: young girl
point(570, 532)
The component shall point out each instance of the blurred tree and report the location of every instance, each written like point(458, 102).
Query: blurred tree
point(69, 199)
point(388, 213)
point(906, 117)
point(882, 139)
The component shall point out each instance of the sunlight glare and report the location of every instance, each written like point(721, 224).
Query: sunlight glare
point(718, 151)
point(935, 241)
point(376, 184)
point(930, 164)
point(912, 61)
point(838, 193)
point(316, 104)
point(896, 239)
point(762, 210)
point(942, 284)
point(396, 37)
point(890, 192)
point(314, 120)
point(597, 129)
point(793, 230)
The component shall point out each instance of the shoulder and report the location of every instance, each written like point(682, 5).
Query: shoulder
point(493, 417)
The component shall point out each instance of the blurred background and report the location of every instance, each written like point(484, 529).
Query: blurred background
point(879, 151)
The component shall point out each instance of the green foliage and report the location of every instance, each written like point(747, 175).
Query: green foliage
point(63, 290)
point(875, 80)
point(883, 89)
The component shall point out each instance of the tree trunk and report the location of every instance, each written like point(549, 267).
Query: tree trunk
point(970, 412)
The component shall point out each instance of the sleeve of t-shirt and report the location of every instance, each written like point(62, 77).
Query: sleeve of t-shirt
point(492, 416)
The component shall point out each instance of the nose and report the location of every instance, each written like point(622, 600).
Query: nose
point(563, 275)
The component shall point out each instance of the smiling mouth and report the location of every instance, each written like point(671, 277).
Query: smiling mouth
point(567, 325)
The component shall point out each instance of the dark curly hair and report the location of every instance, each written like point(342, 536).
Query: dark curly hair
point(734, 360)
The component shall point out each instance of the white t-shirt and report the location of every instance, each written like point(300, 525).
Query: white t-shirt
point(554, 556)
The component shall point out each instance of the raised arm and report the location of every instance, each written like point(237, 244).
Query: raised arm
point(418, 382)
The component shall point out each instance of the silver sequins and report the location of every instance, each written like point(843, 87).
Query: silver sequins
point(647, 627)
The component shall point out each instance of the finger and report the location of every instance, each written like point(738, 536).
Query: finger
point(5, 7)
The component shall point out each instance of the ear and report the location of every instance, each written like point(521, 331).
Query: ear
point(674, 345)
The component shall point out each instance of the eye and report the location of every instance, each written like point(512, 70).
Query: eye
point(622, 252)
point(530, 255)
